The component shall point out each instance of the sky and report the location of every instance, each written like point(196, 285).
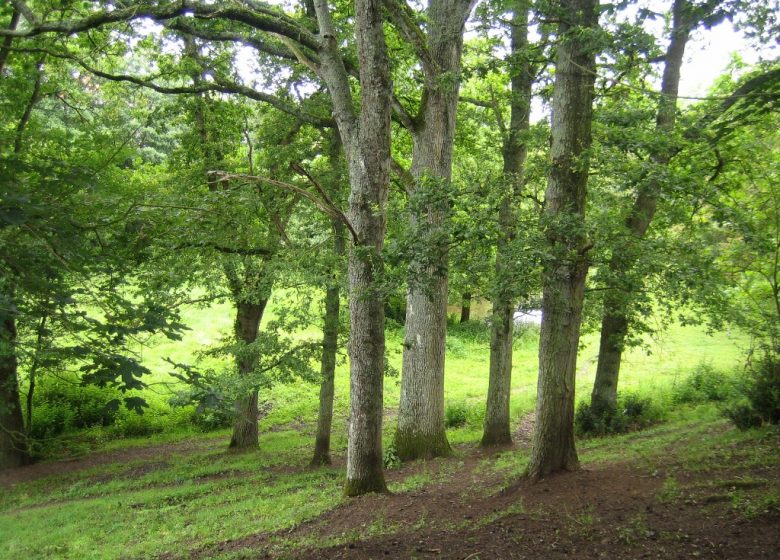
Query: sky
point(709, 53)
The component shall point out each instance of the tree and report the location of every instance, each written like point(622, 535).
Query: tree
point(365, 134)
point(60, 148)
point(686, 16)
point(420, 431)
point(515, 150)
point(330, 328)
point(566, 265)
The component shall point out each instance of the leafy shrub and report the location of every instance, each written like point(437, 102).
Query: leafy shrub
point(760, 400)
point(132, 424)
point(704, 384)
point(62, 405)
point(456, 347)
point(472, 332)
point(390, 457)
point(763, 389)
point(212, 419)
point(460, 413)
point(455, 415)
point(742, 415)
point(631, 413)
point(50, 420)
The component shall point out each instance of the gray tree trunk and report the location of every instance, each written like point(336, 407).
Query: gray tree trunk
point(615, 321)
point(564, 272)
point(330, 335)
point(421, 431)
point(497, 430)
point(366, 138)
point(248, 318)
point(13, 440)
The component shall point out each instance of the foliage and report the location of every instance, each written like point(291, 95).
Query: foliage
point(390, 458)
point(63, 405)
point(458, 414)
point(631, 413)
point(759, 398)
point(704, 384)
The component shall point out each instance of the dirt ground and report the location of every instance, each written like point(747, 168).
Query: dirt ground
point(613, 510)
point(607, 510)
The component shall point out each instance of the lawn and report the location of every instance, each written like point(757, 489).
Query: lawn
point(163, 495)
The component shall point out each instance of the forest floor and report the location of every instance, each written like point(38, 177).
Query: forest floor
point(688, 489)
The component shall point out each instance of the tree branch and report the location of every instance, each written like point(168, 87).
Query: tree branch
point(219, 84)
point(403, 19)
point(322, 205)
point(253, 14)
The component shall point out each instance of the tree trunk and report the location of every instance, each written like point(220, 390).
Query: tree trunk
point(563, 281)
point(247, 325)
point(465, 308)
point(615, 322)
point(13, 440)
point(366, 139)
point(497, 430)
point(330, 335)
point(421, 431)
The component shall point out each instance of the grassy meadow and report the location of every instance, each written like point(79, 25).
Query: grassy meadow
point(179, 489)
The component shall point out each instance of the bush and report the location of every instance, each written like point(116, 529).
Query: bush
point(742, 415)
point(472, 332)
point(390, 457)
point(132, 424)
point(456, 347)
point(760, 401)
point(763, 389)
point(631, 413)
point(460, 413)
point(62, 405)
point(212, 419)
point(704, 384)
point(455, 415)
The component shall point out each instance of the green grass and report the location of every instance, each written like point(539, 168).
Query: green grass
point(173, 502)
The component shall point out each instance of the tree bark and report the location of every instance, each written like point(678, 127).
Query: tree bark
point(421, 431)
point(330, 335)
point(563, 281)
point(497, 430)
point(366, 138)
point(465, 308)
point(13, 440)
point(248, 318)
point(615, 321)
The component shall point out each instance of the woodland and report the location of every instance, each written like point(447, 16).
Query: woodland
point(387, 278)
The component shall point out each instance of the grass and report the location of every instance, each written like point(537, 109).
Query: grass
point(198, 496)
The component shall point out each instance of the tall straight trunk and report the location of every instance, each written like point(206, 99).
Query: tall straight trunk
point(366, 138)
point(36, 363)
point(330, 335)
point(615, 321)
point(496, 429)
point(465, 307)
point(248, 318)
point(421, 431)
point(563, 281)
point(13, 441)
